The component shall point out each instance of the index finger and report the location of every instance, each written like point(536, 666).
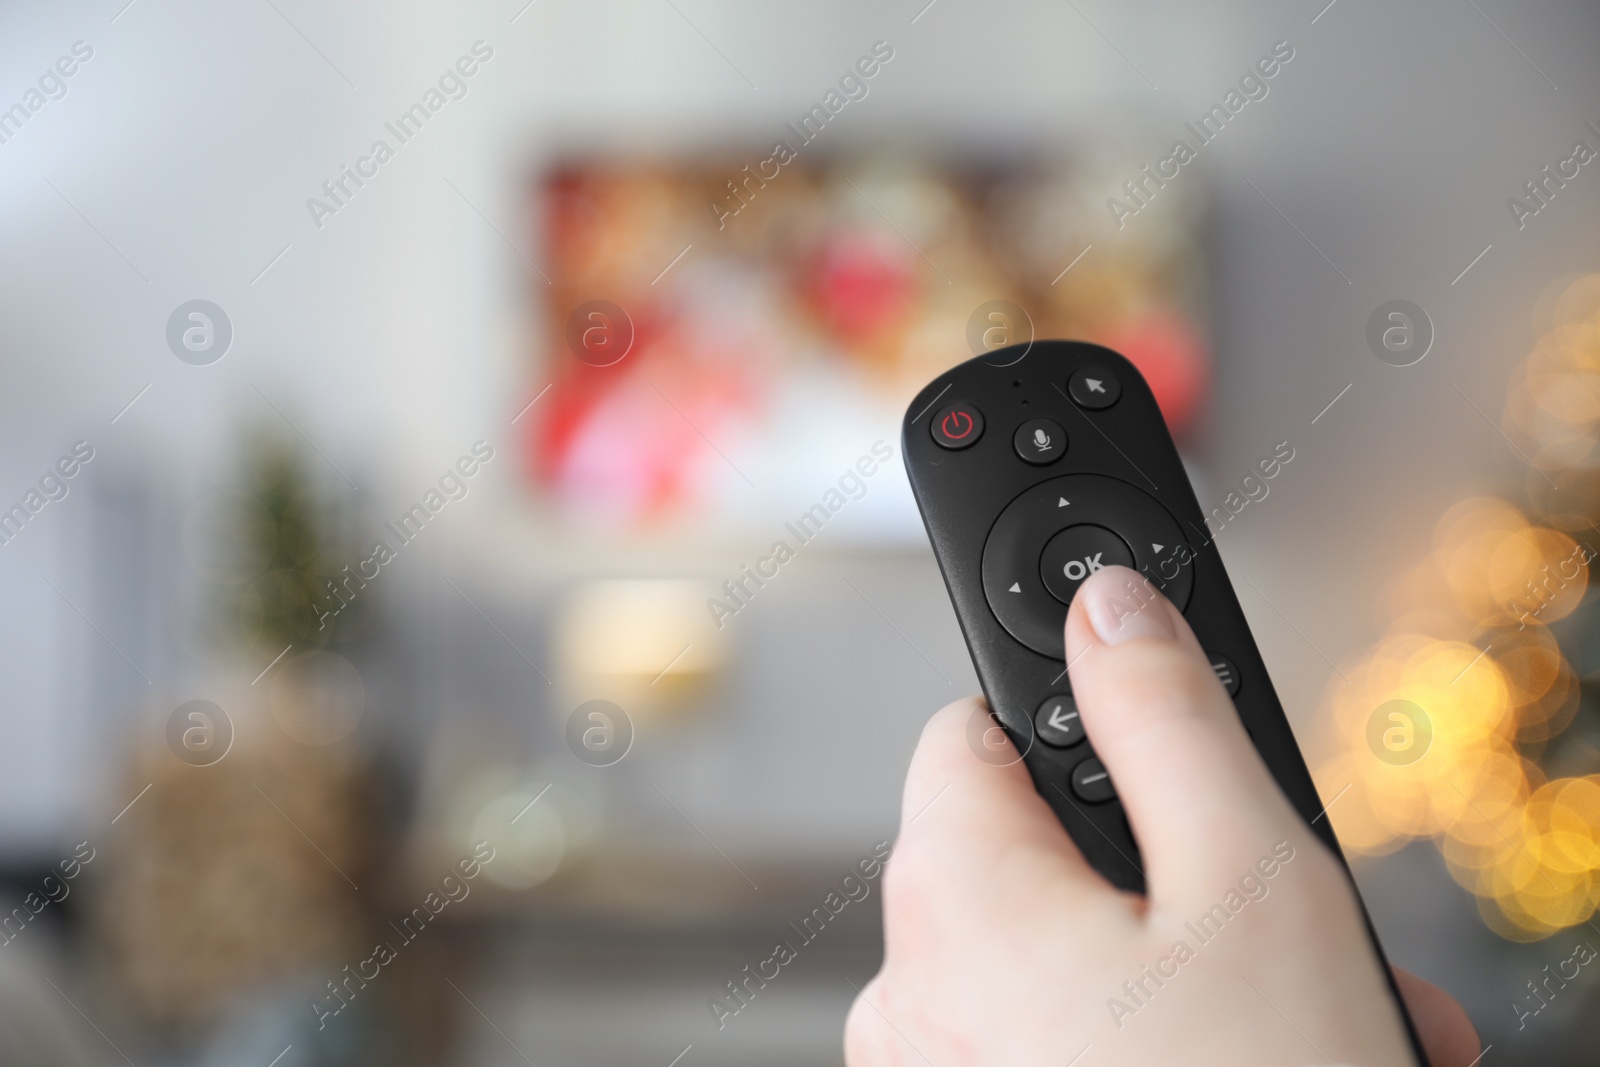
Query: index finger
point(967, 820)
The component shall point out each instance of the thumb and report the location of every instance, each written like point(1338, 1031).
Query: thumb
point(1447, 1034)
point(1200, 800)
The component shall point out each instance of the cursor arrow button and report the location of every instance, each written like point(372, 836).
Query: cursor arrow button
point(1094, 388)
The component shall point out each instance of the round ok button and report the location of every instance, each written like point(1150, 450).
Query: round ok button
point(1077, 552)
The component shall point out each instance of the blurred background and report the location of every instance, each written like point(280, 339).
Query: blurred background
point(397, 399)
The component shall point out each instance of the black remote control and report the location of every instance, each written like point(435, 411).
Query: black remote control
point(1034, 466)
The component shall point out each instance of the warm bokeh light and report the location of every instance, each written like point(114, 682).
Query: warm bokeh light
point(644, 643)
point(1440, 729)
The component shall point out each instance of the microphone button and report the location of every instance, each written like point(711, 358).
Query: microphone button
point(1040, 441)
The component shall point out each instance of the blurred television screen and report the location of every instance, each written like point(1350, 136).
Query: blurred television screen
point(783, 306)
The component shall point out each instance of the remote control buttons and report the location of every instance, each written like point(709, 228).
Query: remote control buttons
point(1105, 516)
point(1077, 552)
point(957, 426)
point(1057, 722)
point(1040, 441)
point(1227, 673)
point(1094, 387)
point(1091, 782)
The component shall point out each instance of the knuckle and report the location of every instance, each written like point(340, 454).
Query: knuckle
point(949, 722)
point(905, 876)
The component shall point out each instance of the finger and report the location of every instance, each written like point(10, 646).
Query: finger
point(1448, 1036)
point(964, 809)
point(865, 1030)
point(1197, 794)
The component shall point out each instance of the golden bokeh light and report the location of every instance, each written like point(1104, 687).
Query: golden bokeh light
point(1438, 731)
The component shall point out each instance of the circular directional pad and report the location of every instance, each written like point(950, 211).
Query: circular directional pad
point(1051, 538)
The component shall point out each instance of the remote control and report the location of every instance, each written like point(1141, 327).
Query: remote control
point(1034, 466)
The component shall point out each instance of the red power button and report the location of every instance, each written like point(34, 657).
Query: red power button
point(957, 426)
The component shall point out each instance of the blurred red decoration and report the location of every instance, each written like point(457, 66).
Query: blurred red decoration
point(1168, 351)
point(860, 287)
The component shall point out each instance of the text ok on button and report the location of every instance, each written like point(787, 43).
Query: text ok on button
point(1077, 552)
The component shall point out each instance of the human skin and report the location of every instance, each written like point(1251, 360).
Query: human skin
point(1003, 947)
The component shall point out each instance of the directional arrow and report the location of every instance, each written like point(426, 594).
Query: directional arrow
point(1063, 502)
point(1061, 718)
point(1158, 548)
point(1094, 385)
point(1016, 587)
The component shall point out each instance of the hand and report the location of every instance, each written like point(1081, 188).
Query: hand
point(1003, 947)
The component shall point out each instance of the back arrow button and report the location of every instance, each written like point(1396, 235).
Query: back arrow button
point(1058, 723)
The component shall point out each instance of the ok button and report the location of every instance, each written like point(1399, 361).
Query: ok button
point(1077, 552)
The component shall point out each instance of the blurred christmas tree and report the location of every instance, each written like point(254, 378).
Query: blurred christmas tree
point(295, 599)
point(238, 872)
